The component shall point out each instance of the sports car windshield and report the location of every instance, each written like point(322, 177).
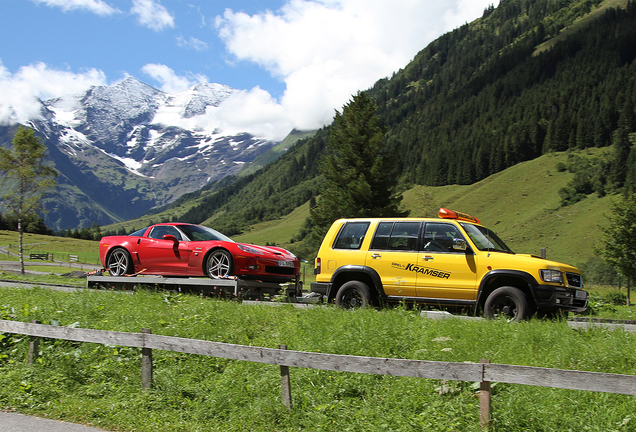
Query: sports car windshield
point(485, 239)
point(202, 233)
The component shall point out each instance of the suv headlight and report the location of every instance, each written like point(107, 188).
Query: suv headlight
point(551, 276)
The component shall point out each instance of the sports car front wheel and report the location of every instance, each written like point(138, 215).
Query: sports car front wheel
point(219, 264)
point(119, 262)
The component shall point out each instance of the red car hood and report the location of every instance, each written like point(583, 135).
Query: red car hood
point(270, 250)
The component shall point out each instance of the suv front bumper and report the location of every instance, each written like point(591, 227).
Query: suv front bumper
point(550, 297)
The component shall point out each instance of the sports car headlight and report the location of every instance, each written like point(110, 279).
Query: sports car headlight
point(551, 276)
point(251, 250)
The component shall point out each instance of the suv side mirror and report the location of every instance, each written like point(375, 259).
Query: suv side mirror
point(459, 244)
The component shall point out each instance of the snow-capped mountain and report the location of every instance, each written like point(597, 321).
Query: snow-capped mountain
point(124, 149)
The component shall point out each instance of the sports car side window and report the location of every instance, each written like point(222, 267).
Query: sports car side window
point(351, 235)
point(159, 231)
point(439, 237)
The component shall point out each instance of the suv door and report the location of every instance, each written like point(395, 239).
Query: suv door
point(392, 252)
point(443, 270)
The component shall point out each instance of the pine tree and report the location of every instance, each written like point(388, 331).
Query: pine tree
point(622, 148)
point(359, 168)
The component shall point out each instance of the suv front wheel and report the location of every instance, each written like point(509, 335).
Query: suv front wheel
point(353, 294)
point(506, 302)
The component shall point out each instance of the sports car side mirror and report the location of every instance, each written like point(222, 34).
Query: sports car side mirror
point(170, 237)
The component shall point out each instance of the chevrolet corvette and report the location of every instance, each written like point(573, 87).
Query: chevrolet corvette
point(180, 249)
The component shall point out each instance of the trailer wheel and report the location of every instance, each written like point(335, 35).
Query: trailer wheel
point(219, 264)
point(353, 294)
point(119, 262)
point(506, 302)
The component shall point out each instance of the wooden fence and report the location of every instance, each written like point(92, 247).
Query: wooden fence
point(483, 372)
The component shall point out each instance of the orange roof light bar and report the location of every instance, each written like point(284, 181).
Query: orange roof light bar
point(450, 214)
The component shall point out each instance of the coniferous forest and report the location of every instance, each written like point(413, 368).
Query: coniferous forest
point(528, 78)
point(486, 96)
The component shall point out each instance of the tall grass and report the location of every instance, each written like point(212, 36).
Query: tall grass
point(101, 385)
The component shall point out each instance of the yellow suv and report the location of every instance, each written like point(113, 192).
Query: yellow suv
point(450, 261)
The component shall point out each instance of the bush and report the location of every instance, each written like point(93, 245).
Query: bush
point(616, 298)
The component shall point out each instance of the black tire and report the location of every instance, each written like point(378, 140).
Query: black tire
point(219, 264)
point(119, 262)
point(506, 302)
point(353, 294)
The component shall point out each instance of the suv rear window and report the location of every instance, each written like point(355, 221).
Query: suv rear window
point(351, 235)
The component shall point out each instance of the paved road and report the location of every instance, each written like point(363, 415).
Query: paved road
point(14, 422)
point(15, 266)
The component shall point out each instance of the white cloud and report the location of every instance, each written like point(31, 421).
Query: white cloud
point(152, 14)
point(323, 50)
point(22, 91)
point(98, 7)
point(169, 80)
point(327, 50)
point(193, 43)
point(255, 112)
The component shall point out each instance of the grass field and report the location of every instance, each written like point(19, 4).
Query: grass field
point(60, 248)
point(100, 384)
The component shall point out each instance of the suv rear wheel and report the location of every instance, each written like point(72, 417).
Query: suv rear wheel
point(353, 294)
point(506, 302)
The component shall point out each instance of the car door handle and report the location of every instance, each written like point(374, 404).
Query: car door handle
point(376, 256)
point(427, 258)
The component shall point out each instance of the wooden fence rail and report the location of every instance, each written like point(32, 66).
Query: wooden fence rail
point(483, 372)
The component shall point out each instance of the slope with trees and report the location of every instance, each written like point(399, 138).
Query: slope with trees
point(484, 97)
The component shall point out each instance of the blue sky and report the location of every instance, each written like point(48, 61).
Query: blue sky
point(294, 61)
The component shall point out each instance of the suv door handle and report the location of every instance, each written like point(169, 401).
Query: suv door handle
point(376, 255)
point(427, 258)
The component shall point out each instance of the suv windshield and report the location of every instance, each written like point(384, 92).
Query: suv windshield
point(485, 239)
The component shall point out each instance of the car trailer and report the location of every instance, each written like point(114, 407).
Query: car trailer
point(222, 287)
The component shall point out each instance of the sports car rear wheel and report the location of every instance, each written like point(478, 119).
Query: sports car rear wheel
point(119, 262)
point(219, 264)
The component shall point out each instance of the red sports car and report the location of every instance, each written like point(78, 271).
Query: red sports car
point(180, 249)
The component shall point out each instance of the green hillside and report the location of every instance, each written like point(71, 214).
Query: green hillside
point(521, 204)
point(492, 106)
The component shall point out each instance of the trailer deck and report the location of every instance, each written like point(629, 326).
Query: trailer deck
point(230, 287)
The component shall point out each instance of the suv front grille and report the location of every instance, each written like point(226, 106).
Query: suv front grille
point(574, 280)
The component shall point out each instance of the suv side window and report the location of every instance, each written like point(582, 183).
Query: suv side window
point(351, 236)
point(397, 236)
point(438, 237)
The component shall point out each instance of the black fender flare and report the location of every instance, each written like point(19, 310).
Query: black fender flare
point(525, 276)
point(368, 271)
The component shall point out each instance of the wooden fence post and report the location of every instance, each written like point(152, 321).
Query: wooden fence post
point(285, 382)
point(146, 364)
point(34, 346)
point(484, 400)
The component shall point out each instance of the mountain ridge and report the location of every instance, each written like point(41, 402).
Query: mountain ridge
point(124, 149)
